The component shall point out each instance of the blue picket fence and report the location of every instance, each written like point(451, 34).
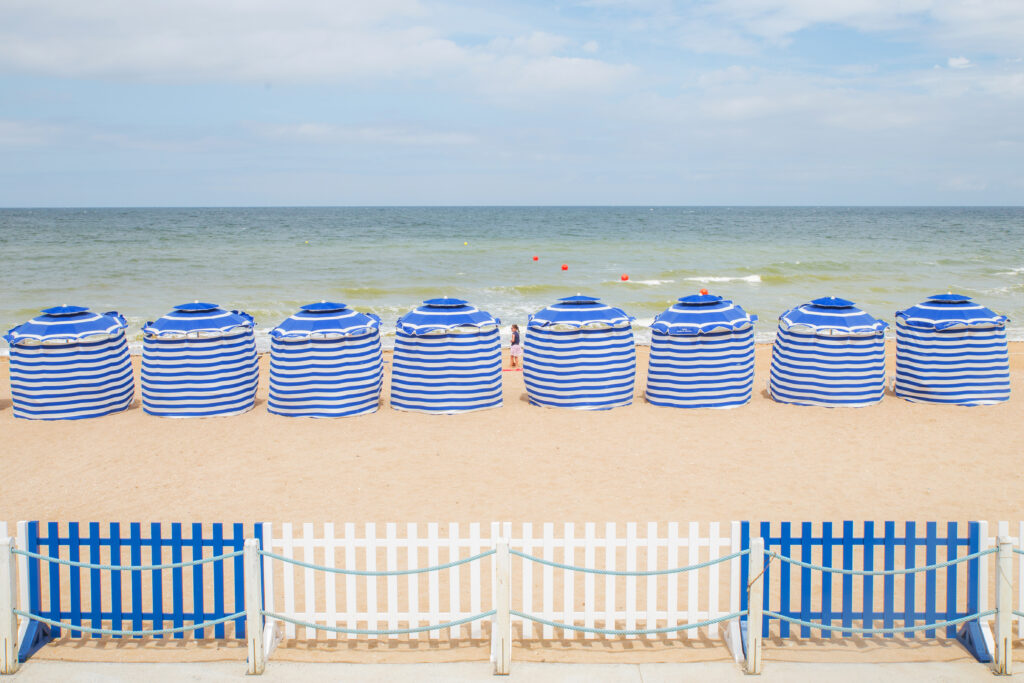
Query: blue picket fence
point(849, 549)
point(136, 600)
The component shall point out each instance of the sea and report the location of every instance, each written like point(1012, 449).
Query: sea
point(506, 260)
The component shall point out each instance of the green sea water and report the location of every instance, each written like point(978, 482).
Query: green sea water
point(269, 261)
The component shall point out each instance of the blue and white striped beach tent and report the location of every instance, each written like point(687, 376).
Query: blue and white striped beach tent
point(447, 359)
point(70, 363)
point(952, 350)
point(579, 353)
point(326, 361)
point(702, 354)
point(199, 361)
point(828, 353)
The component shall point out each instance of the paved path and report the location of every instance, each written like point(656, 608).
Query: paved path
point(711, 672)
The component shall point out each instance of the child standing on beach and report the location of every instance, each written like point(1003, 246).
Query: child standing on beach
point(516, 350)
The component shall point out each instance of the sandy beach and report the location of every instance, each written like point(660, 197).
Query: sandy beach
point(896, 460)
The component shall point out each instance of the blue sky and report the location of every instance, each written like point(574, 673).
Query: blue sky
point(406, 102)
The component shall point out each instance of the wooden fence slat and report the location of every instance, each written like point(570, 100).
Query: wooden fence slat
point(308, 579)
point(672, 615)
point(391, 559)
point(527, 569)
point(475, 548)
point(692, 578)
point(413, 585)
point(351, 582)
point(454, 585)
point(288, 569)
point(631, 547)
point(714, 577)
point(589, 554)
point(330, 580)
point(548, 579)
point(569, 580)
point(372, 615)
point(652, 582)
point(433, 589)
point(610, 538)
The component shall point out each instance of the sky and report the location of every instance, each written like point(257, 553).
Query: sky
point(596, 102)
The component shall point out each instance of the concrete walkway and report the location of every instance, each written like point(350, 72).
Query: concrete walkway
point(480, 672)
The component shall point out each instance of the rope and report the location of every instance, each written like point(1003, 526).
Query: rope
point(628, 632)
point(1018, 614)
point(125, 568)
point(872, 631)
point(1018, 551)
point(363, 572)
point(612, 572)
point(378, 632)
point(881, 572)
point(119, 632)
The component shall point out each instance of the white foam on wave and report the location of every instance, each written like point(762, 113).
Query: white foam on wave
point(650, 283)
point(752, 279)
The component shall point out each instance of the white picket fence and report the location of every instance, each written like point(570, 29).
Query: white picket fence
point(582, 599)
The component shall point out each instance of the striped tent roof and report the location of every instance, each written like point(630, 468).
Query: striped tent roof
point(580, 311)
point(702, 314)
point(326, 319)
point(950, 311)
point(830, 316)
point(197, 318)
point(440, 315)
point(66, 324)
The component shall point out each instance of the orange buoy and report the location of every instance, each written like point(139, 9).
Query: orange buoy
point(565, 266)
point(624, 277)
point(703, 291)
point(535, 258)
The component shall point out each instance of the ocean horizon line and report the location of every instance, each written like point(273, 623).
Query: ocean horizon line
point(150, 207)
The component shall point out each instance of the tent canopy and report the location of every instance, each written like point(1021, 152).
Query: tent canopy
point(701, 314)
point(326, 319)
point(950, 311)
point(580, 311)
point(197, 318)
point(66, 324)
point(830, 315)
point(441, 315)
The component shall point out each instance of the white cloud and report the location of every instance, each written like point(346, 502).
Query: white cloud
point(958, 62)
point(590, 46)
point(304, 41)
point(322, 133)
point(28, 133)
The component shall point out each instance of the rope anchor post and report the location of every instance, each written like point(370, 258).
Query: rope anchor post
point(1004, 608)
point(8, 601)
point(253, 607)
point(501, 632)
point(755, 603)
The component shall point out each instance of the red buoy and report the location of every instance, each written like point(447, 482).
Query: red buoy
point(703, 291)
point(535, 258)
point(624, 277)
point(565, 266)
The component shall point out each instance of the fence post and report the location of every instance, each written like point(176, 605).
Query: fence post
point(1004, 607)
point(253, 606)
point(755, 602)
point(501, 634)
point(8, 600)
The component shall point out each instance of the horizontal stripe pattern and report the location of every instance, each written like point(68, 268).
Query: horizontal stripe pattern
point(827, 370)
point(962, 366)
point(71, 381)
point(446, 373)
point(333, 377)
point(199, 376)
point(588, 369)
point(712, 370)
